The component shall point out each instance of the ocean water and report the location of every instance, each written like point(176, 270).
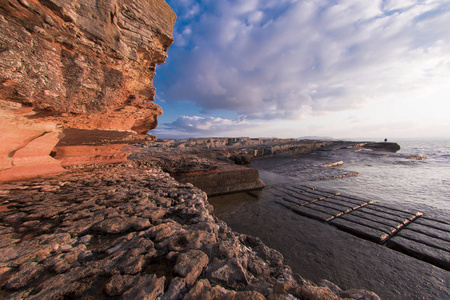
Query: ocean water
point(316, 250)
point(390, 178)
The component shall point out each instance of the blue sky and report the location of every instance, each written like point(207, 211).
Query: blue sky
point(291, 68)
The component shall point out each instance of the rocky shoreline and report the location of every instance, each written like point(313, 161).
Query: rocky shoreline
point(77, 89)
point(132, 232)
point(218, 165)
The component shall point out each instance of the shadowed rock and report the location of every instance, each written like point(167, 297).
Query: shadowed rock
point(387, 147)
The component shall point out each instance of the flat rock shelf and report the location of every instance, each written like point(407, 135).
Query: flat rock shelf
point(409, 232)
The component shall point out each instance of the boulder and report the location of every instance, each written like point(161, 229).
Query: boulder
point(241, 159)
point(190, 265)
point(387, 147)
point(227, 178)
point(147, 287)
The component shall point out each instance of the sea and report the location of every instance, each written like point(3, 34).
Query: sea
point(417, 177)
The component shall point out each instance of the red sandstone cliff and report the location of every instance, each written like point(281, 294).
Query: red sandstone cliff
point(76, 64)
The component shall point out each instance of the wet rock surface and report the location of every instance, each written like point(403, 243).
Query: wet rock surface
point(132, 233)
point(387, 147)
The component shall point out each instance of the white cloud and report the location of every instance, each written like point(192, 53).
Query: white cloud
point(255, 17)
point(195, 126)
point(289, 59)
point(390, 5)
point(196, 123)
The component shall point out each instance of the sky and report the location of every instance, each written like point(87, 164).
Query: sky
point(295, 68)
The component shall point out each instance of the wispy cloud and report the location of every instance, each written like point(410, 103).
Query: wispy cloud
point(195, 126)
point(291, 59)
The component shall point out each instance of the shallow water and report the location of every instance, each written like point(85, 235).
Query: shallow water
point(388, 178)
point(317, 250)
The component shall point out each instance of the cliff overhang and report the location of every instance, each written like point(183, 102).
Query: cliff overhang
point(86, 65)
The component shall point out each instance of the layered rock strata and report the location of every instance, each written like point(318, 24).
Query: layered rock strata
point(83, 147)
point(214, 177)
point(214, 164)
point(227, 179)
point(76, 64)
point(239, 150)
point(134, 233)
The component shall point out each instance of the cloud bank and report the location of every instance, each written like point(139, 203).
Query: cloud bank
point(195, 126)
point(287, 59)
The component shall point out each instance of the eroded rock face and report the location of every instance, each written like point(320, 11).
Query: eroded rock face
point(79, 64)
point(25, 145)
point(85, 64)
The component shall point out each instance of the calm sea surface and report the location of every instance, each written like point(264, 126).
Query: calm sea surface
point(389, 178)
point(318, 251)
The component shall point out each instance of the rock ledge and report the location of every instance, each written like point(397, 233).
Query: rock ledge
point(133, 233)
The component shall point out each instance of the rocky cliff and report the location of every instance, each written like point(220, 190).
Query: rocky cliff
point(76, 64)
